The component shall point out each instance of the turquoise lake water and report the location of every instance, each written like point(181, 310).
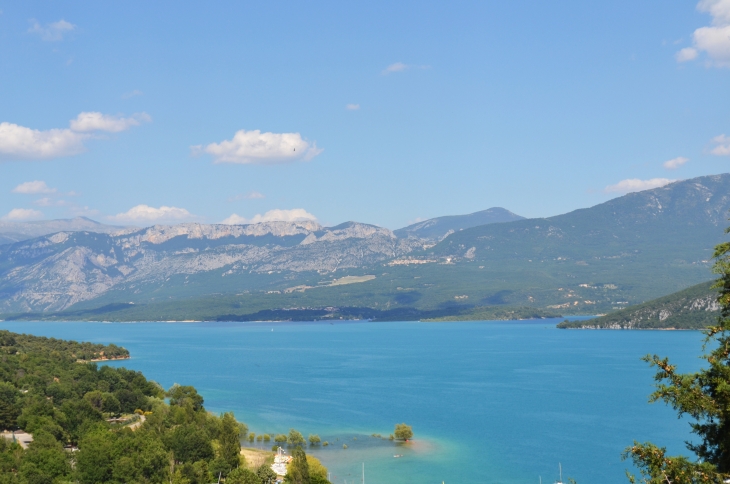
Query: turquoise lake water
point(489, 402)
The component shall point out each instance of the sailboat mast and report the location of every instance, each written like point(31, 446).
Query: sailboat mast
point(363, 473)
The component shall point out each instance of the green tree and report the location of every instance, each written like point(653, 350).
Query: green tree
point(280, 439)
point(295, 438)
point(403, 432)
point(9, 408)
point(45, 460)
point(266, 474)
point(298, 469)
point(95, 459)
point(189, 444)
point(314, 439)
point(229, 438)
point(242, 475)
point(704, 396)
point(185, 395)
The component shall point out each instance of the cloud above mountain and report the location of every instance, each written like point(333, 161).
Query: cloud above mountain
point(255, 147)
point(722, 145)
point(94, 121)
point(675, 163)
point(52, 32)
point(23, 143)
point(713, 40)
point(33, 188)
point(144, 213)
point(276, 215)
point(637, 185)
point(17, 214)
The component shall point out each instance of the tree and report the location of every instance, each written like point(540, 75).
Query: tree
point(295, 438)
point(189, 444)
point(241, 475)
point(44, 461)
point(185, 395)
point(314, 439)
point(266, 474)
point(298, 470)
point(9, 409)
point(280, 439)
point(403, 432)
point(229, 438)
point(704, 396)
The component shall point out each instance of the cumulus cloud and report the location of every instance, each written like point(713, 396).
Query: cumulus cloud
point(686, 54)
point(675, 163)
point(33, 188)
point(636, 185)
point(20, 142)
point(94, 121)
point(400, 67)
point(714, 40)
point(277, 215)
point(255, 147)
point(23, 214)
point(246, 196)
point(52, 32)
point(145, 213)
point(131, 94)
point(722, 145)
point(352, 107)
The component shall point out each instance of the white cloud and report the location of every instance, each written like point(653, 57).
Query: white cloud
point(722, 147)
point(255, 147)
point(277, 215)
point(247, 196)
point(21, 143)
point(23, 214)
point(636, 185)
point(675, 163)
point(686, 54)
point(400, 67)
point(131, 94)
point(396, 67)
point(145, 213)
point(352, 107)
point(713, 40)
point(33, 188)
point(52, 32)
point(94, 121)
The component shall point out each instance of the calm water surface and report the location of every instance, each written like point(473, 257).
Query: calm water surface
point(490, 402)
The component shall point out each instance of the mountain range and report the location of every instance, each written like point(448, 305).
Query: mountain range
point(625, 251)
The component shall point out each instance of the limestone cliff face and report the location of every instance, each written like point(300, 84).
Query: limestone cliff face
point(54, 272)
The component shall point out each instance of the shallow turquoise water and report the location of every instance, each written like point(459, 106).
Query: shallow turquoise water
point(499, 402)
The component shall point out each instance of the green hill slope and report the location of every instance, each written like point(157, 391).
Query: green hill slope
point(693, 308)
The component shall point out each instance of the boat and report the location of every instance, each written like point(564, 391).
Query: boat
point(560, 480)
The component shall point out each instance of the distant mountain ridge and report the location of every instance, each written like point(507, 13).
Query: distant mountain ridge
point(57, 271)
point(440, 227)
point(622, 252)
point(11, 232)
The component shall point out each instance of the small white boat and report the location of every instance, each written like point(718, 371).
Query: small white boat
point(560, 480)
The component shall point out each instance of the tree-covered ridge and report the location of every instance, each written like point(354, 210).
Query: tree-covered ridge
point(12, 343)
point(72, 410)
point(693, 308)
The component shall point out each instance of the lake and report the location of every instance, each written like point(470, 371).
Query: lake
point(489, 402)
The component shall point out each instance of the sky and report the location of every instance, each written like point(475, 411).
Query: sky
point(137, 113)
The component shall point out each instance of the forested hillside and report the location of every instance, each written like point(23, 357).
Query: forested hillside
point(94, 424)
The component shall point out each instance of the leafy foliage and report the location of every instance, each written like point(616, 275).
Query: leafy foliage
point(704, 396)
point(403, 432)
point(46, 391)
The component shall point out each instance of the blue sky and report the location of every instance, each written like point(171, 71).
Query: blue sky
point(380, 112)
